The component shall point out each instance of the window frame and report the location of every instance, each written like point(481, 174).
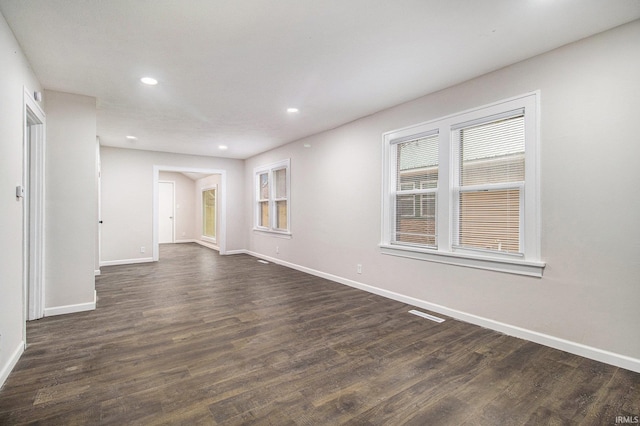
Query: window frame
point(528, 262)
point(272, 201)
point(203, 236)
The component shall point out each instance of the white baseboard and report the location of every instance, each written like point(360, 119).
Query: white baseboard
point(590, 352)
point(126, 261)
point(185, 241)
point(241, 251)
point(70, 309)
point(13, 360)
point(96, 272)
point(207, 244)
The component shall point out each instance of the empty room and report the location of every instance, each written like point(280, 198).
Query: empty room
point(296, 212)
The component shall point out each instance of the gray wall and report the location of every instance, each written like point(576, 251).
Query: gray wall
point(15, 74)
point(70, 200)
point(589, 295)
point(127, 199)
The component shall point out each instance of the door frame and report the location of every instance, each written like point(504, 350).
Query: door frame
point(222, 194)
point(173, 209)
point(33, 181)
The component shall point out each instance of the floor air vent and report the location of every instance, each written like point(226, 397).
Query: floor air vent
point(427, 316)
point(263, 261)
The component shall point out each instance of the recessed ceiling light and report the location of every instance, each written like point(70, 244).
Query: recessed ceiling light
point(222, 147)
point(292, 110)
point(131, 138)
point(149, 81)
point(307, 145)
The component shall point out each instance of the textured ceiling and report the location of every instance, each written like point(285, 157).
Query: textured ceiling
point(228, 70)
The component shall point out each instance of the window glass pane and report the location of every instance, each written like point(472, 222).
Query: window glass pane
point(490, 220)
point(406, 206)
point(417, 163)
point(264, 186)
point(492, 152)
point(281, 183)
point(416, 220)
point(263, 219)
point(281, 218)
point(209, 213)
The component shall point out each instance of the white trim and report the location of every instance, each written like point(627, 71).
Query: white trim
point(278, 234)
point(11, 363)
point(222, 194)
point(70, 309)
point(239, 251)
point(207, 244)
point(33, 175)
point(126, 261)
point(601, 355)
point(507, 265)
point(97, 272)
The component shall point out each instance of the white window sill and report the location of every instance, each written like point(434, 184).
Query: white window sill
point(278, 234)
point(511, 266)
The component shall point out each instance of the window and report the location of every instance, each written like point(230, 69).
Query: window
point(416, 183)
point(209, 213)
point(463, 189)
point(272, 210)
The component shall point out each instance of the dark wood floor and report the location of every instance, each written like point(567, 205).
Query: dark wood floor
point(202, 339)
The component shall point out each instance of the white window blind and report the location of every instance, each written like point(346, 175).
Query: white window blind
point(416, 190)
point(491, 184)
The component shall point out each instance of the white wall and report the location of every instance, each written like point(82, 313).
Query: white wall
point(127, 200)
point(70, 203)
point(185, 205)
point(590, 292)
point(15, 74)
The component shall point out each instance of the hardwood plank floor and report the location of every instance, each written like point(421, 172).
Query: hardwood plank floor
point(199, 338)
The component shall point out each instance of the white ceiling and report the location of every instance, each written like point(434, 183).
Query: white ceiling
point(228, 70)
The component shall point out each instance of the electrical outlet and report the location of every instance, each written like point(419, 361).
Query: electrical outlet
point(359, 268)
point(142, 249)
point(277, 250)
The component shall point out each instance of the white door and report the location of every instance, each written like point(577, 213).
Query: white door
point(165, 212)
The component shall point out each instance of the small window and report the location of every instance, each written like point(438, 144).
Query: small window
point(272, 207)
point(463, 189)
point(209, 213)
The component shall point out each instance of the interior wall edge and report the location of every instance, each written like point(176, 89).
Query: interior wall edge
point(72, 309)
point(11, 363)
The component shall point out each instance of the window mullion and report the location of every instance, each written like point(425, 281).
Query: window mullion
point(445, 199)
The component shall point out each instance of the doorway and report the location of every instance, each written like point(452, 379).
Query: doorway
point(33, 208)
point(220, 204)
